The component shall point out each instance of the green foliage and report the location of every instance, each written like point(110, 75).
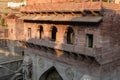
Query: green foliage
point(105, 0)
point(102, 0)
point(3, 22)
point(5, 14)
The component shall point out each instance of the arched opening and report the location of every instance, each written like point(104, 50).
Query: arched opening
point(70, 35)
point(53, 33)
point(40, 32)
point(51, 74)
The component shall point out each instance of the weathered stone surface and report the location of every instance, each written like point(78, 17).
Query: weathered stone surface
point(74, 61)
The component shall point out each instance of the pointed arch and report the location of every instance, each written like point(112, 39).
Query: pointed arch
point(69, 35)
point(51, 74)
point(53, 32)
point(40, 32)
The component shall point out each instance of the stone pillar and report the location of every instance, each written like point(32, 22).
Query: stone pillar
point(26, 64)
point(12, 47)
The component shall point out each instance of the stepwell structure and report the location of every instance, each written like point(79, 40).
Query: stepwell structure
point(71, 39)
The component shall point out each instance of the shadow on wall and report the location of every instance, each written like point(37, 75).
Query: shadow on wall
point(10, 49)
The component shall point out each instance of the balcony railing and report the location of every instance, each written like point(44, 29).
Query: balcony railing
point(66, 47)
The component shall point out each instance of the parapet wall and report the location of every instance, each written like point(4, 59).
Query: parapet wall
point(31, 2)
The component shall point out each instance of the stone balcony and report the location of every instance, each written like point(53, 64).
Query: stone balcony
point(97, 53)
point(79, 49)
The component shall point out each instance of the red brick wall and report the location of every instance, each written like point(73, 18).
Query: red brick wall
point(16, 29)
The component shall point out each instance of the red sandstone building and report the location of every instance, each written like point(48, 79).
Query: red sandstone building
point(11, 51)
point(70, 39)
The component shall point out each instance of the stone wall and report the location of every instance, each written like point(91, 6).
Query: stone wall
point(16, 28)
point(110, 35)
point(11, 57)
point(8, 70)
point(67, 70)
